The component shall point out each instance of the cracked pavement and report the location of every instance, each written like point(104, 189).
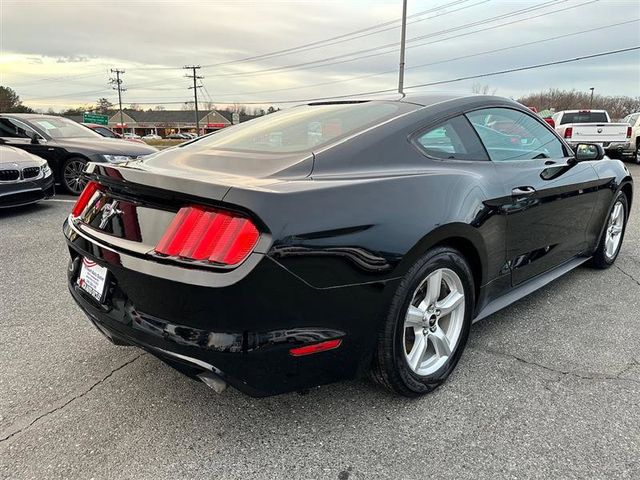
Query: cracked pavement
point(547, 388)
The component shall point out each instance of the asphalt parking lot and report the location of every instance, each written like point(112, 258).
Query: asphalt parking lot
point(547, 388)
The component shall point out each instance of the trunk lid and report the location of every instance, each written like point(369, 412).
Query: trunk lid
point(142, 197)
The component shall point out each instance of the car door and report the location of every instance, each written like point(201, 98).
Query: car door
point(549, 198)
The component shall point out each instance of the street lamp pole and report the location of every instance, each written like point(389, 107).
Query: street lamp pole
point(403, 38)
point(591, 100)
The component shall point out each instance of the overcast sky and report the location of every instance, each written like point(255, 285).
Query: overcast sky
point(57, 53)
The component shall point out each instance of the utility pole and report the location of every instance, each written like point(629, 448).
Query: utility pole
point(195, 88)
point(591, 101)
point(403, 38)
point(117, 85)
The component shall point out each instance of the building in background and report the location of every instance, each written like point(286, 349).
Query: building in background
point(166, 122)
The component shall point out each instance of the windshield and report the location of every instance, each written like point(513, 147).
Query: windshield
point(301, 128)
point(584, 117)
point(59, 127)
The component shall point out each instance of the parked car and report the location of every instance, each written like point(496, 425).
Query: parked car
point(178, 136)
point(152, 136)
point(66, 145)
point(634, 122)
point(107, 132)
point(132, 136)
point(280, 260)
point(547, 119)
point(579, 126)
point(24, 178)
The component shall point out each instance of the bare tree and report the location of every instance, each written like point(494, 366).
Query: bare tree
point(618, 106)
point(483, 89)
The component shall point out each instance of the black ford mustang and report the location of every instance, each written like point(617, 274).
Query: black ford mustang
point(334, 239)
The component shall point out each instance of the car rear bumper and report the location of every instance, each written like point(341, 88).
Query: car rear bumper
point(240, 330)
point(26, 192)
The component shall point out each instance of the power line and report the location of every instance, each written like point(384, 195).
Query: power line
point(441, 82)
point(414, 67)
point(315, 63)
point(531, 67)
point(356, 34)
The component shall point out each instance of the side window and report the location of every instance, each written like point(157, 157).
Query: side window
point(14, 129)
point(513, 135)
point(452, 140)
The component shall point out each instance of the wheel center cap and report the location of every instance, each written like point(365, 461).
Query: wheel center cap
point(432, 320)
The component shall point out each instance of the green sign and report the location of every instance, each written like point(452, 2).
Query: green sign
point(95, 118)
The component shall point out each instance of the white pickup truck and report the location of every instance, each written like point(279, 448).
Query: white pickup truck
point(594, 126)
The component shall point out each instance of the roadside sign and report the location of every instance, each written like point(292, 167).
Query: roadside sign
point(235, 118)
point(95, 118)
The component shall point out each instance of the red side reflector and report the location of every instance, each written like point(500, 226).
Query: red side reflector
point(568, 132)
point(213, 235)
point(85, 196)
point(629, 132)
point(315, 348)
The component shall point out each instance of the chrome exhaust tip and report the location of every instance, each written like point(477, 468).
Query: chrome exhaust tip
point(213, 381)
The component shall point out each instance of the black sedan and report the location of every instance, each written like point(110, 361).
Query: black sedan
point(335, 239)
point(66, 145)
point(24, 178)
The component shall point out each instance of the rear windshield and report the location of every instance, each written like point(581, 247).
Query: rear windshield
point(301, 128)
point(584, 117)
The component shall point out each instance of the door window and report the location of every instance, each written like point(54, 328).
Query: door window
point(454, 139)
point(10, 128)
point(510, 135)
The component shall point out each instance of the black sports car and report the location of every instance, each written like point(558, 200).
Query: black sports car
point(66, 145)
point(333, 239)
point(24, 178)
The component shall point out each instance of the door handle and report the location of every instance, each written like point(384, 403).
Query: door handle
point(523, 191)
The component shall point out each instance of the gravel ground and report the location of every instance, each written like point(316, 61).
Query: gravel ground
point(548, 388)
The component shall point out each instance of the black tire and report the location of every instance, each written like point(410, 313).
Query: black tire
point(390, 366)
point(637, 159)
point(71, 179)
point(601, 259)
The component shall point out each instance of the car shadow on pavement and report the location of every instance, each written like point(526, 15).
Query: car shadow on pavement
point(24, 210)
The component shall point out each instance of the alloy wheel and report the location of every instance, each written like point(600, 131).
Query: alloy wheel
point(434, 321)
point(73, 179)
point(614, 230)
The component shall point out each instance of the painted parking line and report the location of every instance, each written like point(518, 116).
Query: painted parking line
point(60, 200)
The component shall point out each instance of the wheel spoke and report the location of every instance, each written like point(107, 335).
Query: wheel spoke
point(617, 210)
point(440, 342)
point(417, 352)
point(414, 317)
point(434, 282)
point(450, 303)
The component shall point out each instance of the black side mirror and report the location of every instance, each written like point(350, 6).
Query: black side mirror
point(588, 151)
point(35, 138)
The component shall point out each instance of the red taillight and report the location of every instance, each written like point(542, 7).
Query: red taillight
point(568, 132)
point(315, 348)
point(629, 132)
point(212, 235)
point(85, 196)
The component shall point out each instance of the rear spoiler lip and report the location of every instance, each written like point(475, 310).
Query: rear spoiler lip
point(213, 187)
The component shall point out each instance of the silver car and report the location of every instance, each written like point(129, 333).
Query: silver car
point(24, 178)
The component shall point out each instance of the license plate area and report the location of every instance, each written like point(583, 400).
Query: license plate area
point(92, 279)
